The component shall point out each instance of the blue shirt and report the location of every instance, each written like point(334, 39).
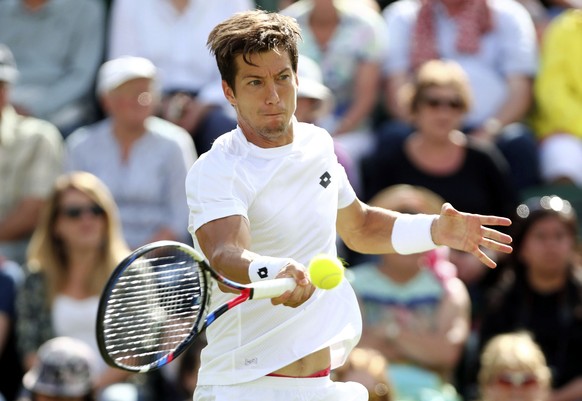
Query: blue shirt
point(148, 187)
point(509, 49)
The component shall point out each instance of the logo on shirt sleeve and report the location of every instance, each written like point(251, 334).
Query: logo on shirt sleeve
point(325, 179)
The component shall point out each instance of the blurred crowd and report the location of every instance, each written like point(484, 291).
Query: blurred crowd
point(105, 105)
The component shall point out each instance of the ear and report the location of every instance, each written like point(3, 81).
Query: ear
point(228, 93)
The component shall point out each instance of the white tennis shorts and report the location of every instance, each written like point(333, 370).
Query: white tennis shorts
point(284, 389)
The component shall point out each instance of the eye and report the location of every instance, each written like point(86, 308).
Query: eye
point(285, 77)
point(255, 82)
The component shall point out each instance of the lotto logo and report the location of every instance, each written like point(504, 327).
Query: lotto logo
point(263, 272)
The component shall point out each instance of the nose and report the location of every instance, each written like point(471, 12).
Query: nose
point(272, 96)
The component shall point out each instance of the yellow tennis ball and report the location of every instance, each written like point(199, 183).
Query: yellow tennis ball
point(326, 271)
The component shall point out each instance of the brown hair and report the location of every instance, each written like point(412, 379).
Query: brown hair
point(252, 32)
point(47, 252)
point(437, 73)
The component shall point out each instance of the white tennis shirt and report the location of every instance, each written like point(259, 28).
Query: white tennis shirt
point(290, 195)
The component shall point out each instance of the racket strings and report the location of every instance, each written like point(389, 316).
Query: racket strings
point(153, 308)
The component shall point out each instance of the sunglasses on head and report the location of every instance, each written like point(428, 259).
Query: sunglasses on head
point(436, 103)
point(516, 379)
point(75, 212)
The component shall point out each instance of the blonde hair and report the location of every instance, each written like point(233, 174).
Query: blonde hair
point(47, 252)
point(436, 73)
point(513, 351)
point(407, 198)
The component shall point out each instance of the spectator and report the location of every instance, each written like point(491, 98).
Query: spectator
point(314, 101)
point(437, 156)
point(368, 367)
point(142, 159)
point(30, 160)
point(415, 311)
point(172, 34)
point(494, 41)
point(513, 367)
point(58, 45)
point(558, 93)
point(10, 367)
point(64, 371)
point(73, 251)
point(541, 290)
point(347, 41)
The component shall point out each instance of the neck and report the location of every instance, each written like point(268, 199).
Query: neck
point(324, 12)
point(180, 5)
point(546, 283)
point(34, 5)
point(453, 7)
point(126, 135)
point(399, 273)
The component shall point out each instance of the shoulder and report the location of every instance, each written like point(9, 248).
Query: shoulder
point(88, 135)
point(298, 9)
point(507, 11)
point(169, 132)
point(83, 6)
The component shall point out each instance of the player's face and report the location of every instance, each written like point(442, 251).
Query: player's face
point(265, 98)
point(440, 111)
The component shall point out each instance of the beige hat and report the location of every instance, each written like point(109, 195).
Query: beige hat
point(116, 72)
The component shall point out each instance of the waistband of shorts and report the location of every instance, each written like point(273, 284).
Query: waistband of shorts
point(320, 373)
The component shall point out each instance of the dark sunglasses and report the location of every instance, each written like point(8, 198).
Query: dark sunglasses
point(516, 379)
point(437, 103)
point(75, 212)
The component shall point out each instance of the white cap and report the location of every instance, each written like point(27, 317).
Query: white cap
point(311, 83)
point(116, 72)
point(64, 368)
point(311, 80)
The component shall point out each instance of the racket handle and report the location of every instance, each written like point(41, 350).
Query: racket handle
point(272, 288)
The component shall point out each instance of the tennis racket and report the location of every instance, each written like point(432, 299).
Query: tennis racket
point(156, 303)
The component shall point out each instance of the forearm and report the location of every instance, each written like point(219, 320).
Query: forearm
point(4, 330)
point(21, 221)
point(111, 376)
point(366, 96)
point(428, 349)
point(370, 230)
point(518, 101)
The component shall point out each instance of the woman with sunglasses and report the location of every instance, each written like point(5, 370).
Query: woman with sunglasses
point(460, 168)
point(72, 253)
point(513, 368)
point(540, 290)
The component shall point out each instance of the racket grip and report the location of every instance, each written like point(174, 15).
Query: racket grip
point(272, 288)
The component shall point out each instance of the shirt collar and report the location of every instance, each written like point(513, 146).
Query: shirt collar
point(8, 121)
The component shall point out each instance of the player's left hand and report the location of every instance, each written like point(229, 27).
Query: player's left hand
point(304, 288)
point(467, 232)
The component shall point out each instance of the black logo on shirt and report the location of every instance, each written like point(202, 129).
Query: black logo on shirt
point(263, 272)
point(325, 179)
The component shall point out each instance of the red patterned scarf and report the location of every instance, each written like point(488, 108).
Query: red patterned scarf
point(473, 21)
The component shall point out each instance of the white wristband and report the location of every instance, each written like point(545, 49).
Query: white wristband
point(266, 267)
point(411, 233)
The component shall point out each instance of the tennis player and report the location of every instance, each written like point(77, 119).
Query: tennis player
point(265, 199)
